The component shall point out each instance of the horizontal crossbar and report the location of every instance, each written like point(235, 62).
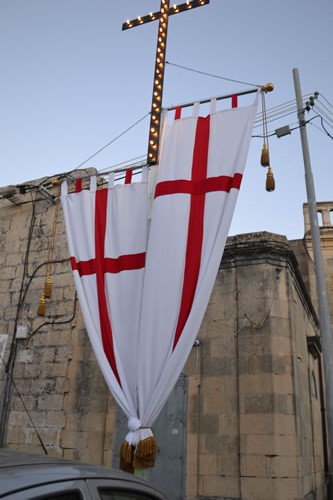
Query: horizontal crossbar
point(153, 16)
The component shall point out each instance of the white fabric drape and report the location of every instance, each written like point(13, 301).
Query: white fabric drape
point(118, 214)
point(144, 290)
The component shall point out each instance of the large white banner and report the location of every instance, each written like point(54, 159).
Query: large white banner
point(143, 289)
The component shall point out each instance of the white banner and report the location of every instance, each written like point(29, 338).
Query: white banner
point(144, 291)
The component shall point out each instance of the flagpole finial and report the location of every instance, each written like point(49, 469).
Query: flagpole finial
point(269, 87)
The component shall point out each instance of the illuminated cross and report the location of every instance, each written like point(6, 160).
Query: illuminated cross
point(156, 105)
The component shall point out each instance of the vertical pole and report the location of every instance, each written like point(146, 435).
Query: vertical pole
point(156, 104)
point(324, 317)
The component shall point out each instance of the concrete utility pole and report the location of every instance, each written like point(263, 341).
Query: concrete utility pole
point(324, 317)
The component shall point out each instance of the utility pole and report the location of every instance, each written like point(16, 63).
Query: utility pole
point(324, 317)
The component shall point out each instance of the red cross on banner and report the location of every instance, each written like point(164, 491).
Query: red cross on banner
point(144, 287)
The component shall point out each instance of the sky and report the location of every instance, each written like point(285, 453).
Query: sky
point(72, 81)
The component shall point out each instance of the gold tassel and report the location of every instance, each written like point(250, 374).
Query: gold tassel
point(270, 182)
point(49, 269)
point(145, 453)
point(42, 307)
point(48, 287)
point(264, 156)
point(265, 162)
point(126, 455)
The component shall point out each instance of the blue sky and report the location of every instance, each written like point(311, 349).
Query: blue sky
point(72, 80)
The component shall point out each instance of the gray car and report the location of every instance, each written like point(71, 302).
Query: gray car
point(26, 476)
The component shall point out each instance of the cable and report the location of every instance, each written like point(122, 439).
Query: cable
point(66, 174)
point(111, 142)
point(322, 124)
point(129, 162)
point(270, 134)
point(211, 75)
point(26, 409)
point(325, 115)
point(321, 95)
point(62, 322)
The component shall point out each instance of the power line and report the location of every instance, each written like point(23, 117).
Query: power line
point(111, 142)
point(212, 75)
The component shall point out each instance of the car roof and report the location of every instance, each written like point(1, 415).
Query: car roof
point(19, 470)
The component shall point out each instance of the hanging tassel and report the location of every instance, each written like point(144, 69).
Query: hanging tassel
point(48, 287)
point(42, 306)
point(264, 156)
point(49, 269)
point(145, 453)
point(126, 455)
point(270, 182)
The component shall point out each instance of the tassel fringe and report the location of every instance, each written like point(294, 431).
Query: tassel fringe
point(145, 453)
point(264, 156)
point(141, 457)
point(48, 287)
point(126, 457)
point(270, 182)
point(42, 307)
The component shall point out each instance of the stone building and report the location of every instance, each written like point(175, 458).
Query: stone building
point(246, 419)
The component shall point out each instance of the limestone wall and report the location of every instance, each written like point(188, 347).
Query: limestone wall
point(257, 431)
point(57, 398)
point(254, 425)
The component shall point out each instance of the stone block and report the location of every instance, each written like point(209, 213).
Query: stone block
point(74, 439)
point(43, 386)
point(52, 402)
point(220, 445)
point(256, 383)
point(259, 488)
point(253, 466)
point(208, 465)
point(261, 445)
point(283, 466)
point(32, 370)
point(286, 445)
point(54, 369)
point(257, 423)
point(63, 353)
point(257, 403)
point(56, 419)
point(285, 425)
point(209, 424)
point(18, 419)
point(18, 435)
point(49, 436)
point(217, 486)
point(288, 489)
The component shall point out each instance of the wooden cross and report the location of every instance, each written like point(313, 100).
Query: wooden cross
point(156, 105)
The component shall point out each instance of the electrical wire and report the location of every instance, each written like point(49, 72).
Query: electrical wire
point(322, 125)
point(126, 162)
point(212, 75)
point(61, 322)
point(325, 115)
point(111, 142)
point(26, 409)
point(326, 100)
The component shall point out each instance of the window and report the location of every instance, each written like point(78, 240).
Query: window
point(63, 495)
point(123, 495)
